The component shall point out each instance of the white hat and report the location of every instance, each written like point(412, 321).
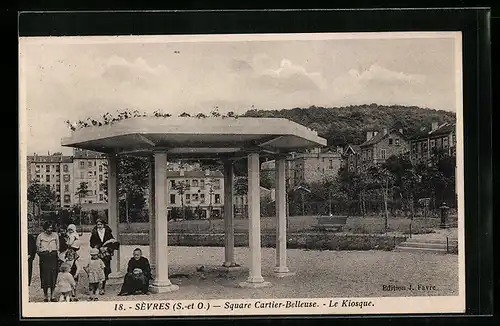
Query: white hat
point(71, 227)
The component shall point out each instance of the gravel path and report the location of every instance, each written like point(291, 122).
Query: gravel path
point(318, 274)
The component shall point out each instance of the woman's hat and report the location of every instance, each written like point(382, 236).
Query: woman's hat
point(72, 227)
point(94, 251)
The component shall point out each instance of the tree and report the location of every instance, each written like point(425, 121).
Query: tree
point(81, 192)
point(41, 194)
point(182, 187)
point(379, 178)
point(405, 179)
point(132, 181)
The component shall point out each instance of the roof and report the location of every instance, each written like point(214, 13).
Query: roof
point(355, 148)
point(443, 129)
point(196, 138)
point(194, 174)
point(50, 159)
point(83, 154)
point(378, 137)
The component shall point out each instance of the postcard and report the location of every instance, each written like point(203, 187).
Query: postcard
point(242, 175)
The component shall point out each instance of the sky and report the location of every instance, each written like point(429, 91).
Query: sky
point(65, 79)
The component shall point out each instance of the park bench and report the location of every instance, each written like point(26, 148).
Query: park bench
point(336, 223)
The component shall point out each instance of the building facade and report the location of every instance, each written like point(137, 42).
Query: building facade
point(89, 168)
point(440, 137)
point(312, 166)
point(379, 146)
point(56, 171)
point(64, 174)
point(351, 157)
point(203, 190)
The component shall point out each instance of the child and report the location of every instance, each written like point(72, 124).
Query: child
point(72, 260)
point(95, 271)
point(65, 284)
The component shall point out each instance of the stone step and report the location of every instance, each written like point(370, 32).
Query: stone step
point(426, 250)
point(423, 245)
point(438, 241)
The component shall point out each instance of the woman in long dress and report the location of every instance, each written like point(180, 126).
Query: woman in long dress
point(47, 244)
point(102, 239)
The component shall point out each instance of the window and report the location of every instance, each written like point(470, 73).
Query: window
point(195, 183)
point(382, 154)
point(217, 198)
point(172, 198)
point(101, 197)
point(82, 175)
point(433, 143)
point(65, 168)
point(47, 168)
point(95, 163)
point(331, 164)
point(188, 198)
point(217, 184)
point(90, 174)
point(38, 176)
point(390, 141)
point(202, 198)
point(397, 141)
point(58, 168)
point(89, 164)
point(195, 197)
point(100, 168)
point(100, 177)
point(82, 165)
point(66, 188)
point(202, 184)
point(47, 178)
point(445, 142)
point(172, 183)
point(101, 187)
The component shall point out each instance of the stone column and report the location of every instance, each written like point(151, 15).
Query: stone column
point(116, 276)
point(281, 268)
point(161, 282)
point(255, 279)
point(228, 215)
point(151, 207)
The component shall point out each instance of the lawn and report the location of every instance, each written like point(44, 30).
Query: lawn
point(363, 225)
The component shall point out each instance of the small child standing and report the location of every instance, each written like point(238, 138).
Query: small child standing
point(65, 284)
point(75, 269)
point(95, 271)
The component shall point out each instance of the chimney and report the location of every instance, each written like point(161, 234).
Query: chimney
point(434, 125)
point(339, 149)
point(400, 130)
point(369, 135)
point(385, 131)
point(207, 172)
point(181, 172)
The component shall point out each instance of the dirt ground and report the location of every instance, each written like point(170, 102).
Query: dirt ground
point(319, 274)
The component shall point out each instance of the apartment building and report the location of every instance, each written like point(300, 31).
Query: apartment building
point(196, 189)
point(441, 137)
point(379, 146)
point(64, 174)
point(90, 168)
point(56, 171)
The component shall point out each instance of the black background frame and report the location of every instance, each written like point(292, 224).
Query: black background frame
point(474, 25)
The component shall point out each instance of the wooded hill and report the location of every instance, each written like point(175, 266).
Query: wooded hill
point(349, 124)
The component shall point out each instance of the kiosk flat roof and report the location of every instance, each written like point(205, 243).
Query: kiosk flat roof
point(188, 137)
